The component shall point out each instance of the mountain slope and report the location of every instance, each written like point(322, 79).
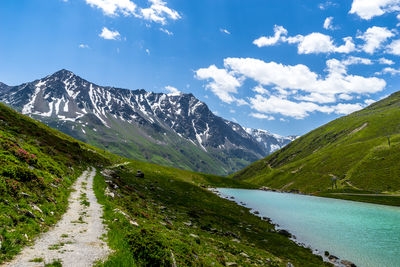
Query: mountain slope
point(163, 218)
point(170, 129)
point(354, 148)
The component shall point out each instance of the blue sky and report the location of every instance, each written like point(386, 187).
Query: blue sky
point(285, 66)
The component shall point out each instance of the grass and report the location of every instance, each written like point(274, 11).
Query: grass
point(354, 148)
point(37, 167)
point(55, 263)
point(169, 216)
point(37, 260)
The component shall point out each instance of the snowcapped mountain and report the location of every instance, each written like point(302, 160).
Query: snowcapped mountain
point(271, 142)
point(171, 129)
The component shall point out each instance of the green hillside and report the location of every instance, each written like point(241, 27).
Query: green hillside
point(37, 166)
point(361, 149)
point(178, 219)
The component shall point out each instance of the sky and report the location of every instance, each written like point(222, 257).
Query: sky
point(287, 66)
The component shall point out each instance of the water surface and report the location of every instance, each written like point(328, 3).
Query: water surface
point(366, 234)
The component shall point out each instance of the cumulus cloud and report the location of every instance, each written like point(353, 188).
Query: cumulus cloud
point(328, 24)
point(389, 70)
point(313, 43)
point(83, 46)
point(296, 91)
point(109, 35)
point(374, 38)
point(385, 61)
point(367, 9)
point(158, 11)
point(394, 48)
point(279, 31)
point(262, 116)
point(344, 109)
point(276, 105)
point(222, 83)
point(172, 90)
point(114, 7)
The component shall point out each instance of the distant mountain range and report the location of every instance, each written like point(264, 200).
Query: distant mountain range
point(171, 129)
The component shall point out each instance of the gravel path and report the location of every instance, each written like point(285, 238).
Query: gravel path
point(75, 239)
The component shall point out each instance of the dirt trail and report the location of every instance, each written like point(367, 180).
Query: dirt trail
point(75, 239)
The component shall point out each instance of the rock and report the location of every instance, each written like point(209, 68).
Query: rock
point(289, 264)
point(333, 258)
point(30, 214)
point(348, 263)
point(232, 197)
point(194, 236)
point(133, 223)
point(108, 193)
point(25, 195)
point(231, 264)
point(326, 253)
point(235, 240)
point(187, 223)
point(284, 233)
point(34, 207)
point(52, 213)
point(26, 236)
point(257, 212)
point(244, 255)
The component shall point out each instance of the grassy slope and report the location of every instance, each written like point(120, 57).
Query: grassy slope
point(37, 166)
point(175, 215)
point(361, 159)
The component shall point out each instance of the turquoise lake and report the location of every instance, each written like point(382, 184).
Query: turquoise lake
point(366, 234)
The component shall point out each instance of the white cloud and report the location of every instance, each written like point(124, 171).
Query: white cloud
point(344, 109)
point(374, 38)
point(367, 9)
point(394, 48)
point(223, 84)
point(389, 70)
point(326, 5)
point(225, 31)
point(345, 97)
point(357, 61)
point(295, 91)
point(109, 35)
point(166, 31)
point(369, 101)
point(262, 116)
point(114, 7)
point(83, 46)
point(316, 43)
point(268, 41)
point(147, 51)
point(172, 90)
point(159, 12)
point(328, 24)
point(276, 105)
point(261, 90)
point(313, 43)
point(385, 61)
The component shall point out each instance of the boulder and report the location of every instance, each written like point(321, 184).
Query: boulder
point(333, 258)
point(231, 264)
point(348, 263)
point(284, 233)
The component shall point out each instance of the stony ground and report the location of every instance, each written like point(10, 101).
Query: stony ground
point(76, 240)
